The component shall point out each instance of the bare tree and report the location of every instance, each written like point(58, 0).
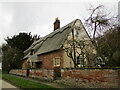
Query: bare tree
point(76, 50)
point(98, 21)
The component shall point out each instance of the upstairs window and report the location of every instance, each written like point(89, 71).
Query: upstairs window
point(32, 52)
point(76, 33)
point(56, 62)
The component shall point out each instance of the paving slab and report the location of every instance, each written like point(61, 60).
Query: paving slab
point(6, 84)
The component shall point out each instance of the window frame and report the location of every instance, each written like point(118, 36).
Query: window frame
point(32, 52)
point(56, 61)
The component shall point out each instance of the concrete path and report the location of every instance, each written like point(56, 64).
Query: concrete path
point(6, 84)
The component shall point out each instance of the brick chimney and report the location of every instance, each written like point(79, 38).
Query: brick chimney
point(56, 24)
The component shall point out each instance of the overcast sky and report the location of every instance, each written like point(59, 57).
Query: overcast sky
point(38, 17)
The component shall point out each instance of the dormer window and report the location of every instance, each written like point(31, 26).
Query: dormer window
point(32, 52)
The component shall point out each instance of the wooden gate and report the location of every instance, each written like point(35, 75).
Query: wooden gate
point(57, 72)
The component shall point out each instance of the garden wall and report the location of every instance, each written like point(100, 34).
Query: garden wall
point(100, 78)
point(104, 77)
point(47, 74)
point(21, 72)
point(35, 73)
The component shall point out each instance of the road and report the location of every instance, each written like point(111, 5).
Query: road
point(6, 84)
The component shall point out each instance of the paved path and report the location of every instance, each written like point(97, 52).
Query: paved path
point(5, 84)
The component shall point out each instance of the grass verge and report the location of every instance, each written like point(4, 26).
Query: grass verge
point(22, 83)
point(0, 73)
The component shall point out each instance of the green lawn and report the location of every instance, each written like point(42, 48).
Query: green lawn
point(25, 83)
point(0, 73)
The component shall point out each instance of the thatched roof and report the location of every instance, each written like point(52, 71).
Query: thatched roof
point(52, 41)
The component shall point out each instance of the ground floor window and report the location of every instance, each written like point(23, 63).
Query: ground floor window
point(56, 61)
point(80, 61)
point(38, 64)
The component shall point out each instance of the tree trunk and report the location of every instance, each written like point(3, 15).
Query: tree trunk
point(74, 52)
point(94, 32)
point(75, 65)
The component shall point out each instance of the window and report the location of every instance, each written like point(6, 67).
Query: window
point(56, 61)
point(76, 33)
point(38, 64)
point(78, 59)
point(32, 52)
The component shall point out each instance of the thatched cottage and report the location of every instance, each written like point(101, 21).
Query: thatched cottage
point(49, 51)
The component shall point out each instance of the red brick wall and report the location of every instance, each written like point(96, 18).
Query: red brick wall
point(21, 72)
point(107, 76)
point(42, 73)
point(36, 73)
point(47, 59)
point(97, 77)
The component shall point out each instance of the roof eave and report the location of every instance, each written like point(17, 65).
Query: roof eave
point(49, 51)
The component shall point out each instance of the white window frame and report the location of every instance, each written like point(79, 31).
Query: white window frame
point(56, 61)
